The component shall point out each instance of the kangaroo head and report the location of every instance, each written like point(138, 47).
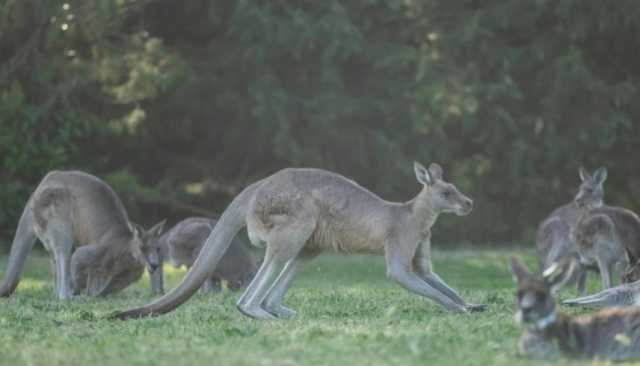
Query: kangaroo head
point(147, 247)
point(442, 196)
point(591, 192)
point(248, 274)
point(534, 299)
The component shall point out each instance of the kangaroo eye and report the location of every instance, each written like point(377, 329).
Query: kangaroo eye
point(446, 194)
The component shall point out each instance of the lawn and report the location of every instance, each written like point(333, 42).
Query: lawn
point(348, 314)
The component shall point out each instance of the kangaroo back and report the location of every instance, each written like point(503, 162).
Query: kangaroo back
point(23, 241)
point(232, 220)
point(187, 238)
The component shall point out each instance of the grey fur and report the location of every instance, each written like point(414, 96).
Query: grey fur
point(554, 243)
point(606, 236)
point(298, 213)
point(82, 223)
point(182, 244)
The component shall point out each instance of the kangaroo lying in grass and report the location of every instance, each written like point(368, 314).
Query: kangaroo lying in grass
point(604, 235)
point(73, 210)
point(554, 244)
point(182, 244)
point(624, 295)
point(298, 213)
point(612, 334)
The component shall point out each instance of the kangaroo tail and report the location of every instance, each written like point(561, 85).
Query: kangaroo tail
point(23, 241)
point(232, 220)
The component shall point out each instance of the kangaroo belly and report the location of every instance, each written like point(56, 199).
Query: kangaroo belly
point(346, 236)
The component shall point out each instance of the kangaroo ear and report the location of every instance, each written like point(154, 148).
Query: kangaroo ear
point(558, 273)
point(136, 230)
point(600, 175)
point(157, 229)
point(584, 175)
point(422, 174)
point(552, 271)
point(436, 171)
point(520, 272)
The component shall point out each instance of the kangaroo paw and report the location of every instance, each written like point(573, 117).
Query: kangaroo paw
point(476, 308)
point(280, 311)
point(256, 312)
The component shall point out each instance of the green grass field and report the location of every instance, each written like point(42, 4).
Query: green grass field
point(348, 314)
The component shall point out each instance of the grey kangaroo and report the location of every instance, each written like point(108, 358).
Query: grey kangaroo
point(298, 213)
point(73, 210)
point(612, 334)
point(604, 235)
point(628, 293)
point(554, 244)
point(182, 244)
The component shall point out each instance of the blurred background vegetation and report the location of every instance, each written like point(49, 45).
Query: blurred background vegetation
point(179, 105)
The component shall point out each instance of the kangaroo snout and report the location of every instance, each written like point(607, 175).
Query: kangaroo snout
point(465, 207)
point(468, 204)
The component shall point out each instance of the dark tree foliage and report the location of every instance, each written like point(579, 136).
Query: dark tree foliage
point(181, 104)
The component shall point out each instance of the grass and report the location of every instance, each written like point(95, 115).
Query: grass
point(348, 313)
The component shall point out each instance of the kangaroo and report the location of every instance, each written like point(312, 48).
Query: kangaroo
point(74, 210)
point(628, 293)
point(183, 243)
point(298, 213)
point(604, 235)
point(554, 244)
point(612, 334)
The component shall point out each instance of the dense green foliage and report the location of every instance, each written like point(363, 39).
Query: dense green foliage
point(180, 104)
point(348, 314)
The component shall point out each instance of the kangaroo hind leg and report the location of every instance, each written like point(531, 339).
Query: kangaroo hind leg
point(273, 302)
point(51, 209)
point(59, 240)
point(278, 268)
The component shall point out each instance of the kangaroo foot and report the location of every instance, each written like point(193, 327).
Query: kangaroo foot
point(255, 312)
point(476, 308)
point(65, 295)
point(455, 308)
point(280, 311)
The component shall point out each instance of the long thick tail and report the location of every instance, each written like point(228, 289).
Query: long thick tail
point(23, 241)
point(232, 220)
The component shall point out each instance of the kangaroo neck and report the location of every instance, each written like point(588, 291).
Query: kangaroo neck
point(422, 213)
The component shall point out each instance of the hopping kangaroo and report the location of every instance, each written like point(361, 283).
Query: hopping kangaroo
point(604, 235)
point(298, 213)
point(554, 244)
point(612, 334)
point(182, 244)
point(73, 210)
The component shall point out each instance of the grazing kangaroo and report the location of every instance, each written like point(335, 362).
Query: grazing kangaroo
point(554, 244)
point(604, 235)
point(73, 210)
point(612, 334)
point(298, 213)
point(183, 243)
